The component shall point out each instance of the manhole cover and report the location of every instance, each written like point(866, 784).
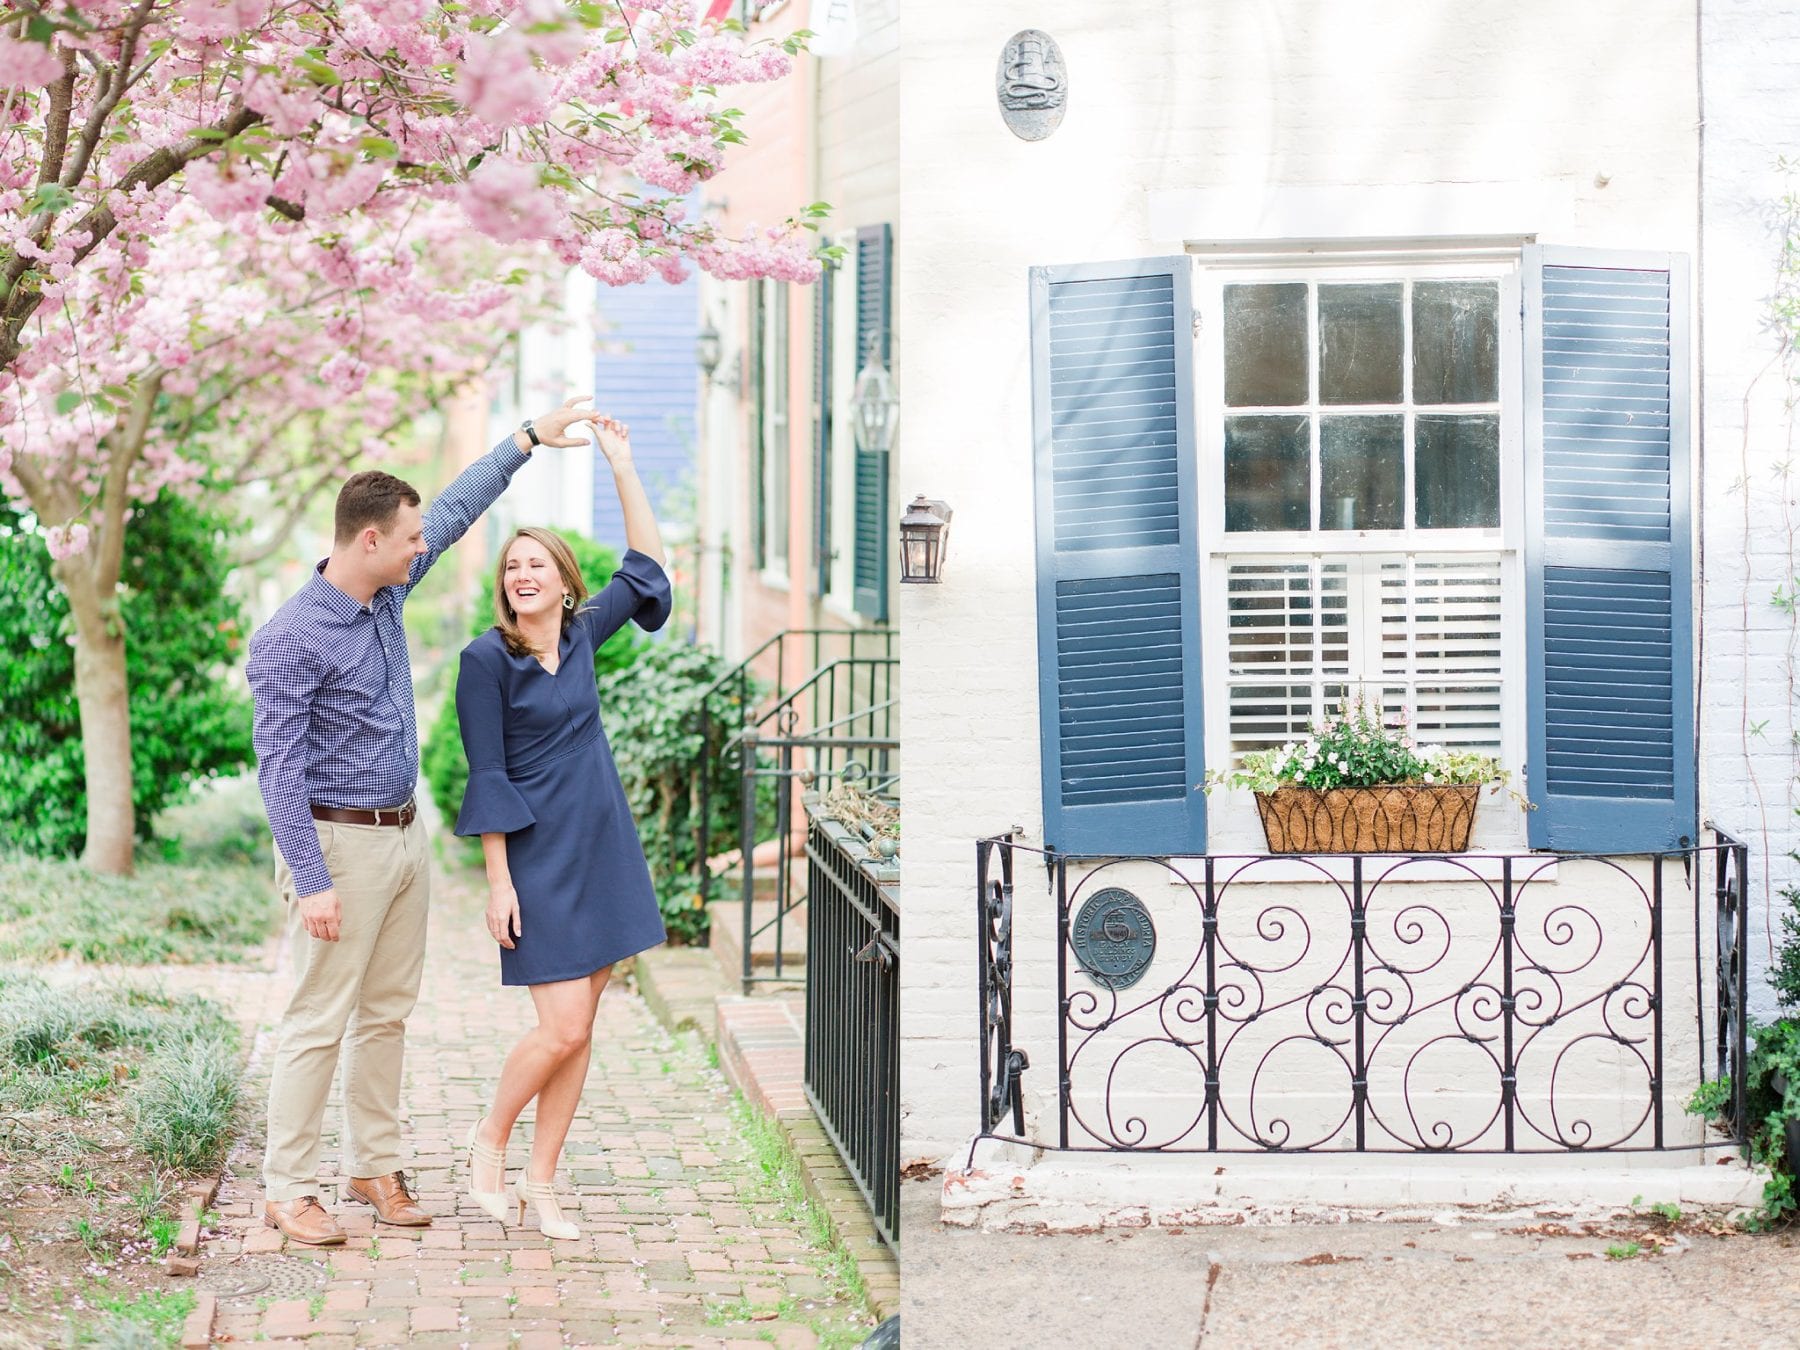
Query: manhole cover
point(274, 1277)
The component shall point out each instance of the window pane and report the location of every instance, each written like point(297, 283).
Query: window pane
point(1360, 341)
point(1456, 342)
point(1263, 715)
point(1265, 345)
point(1362, 472)
point(1268, 473)
point(1456, 472)
point(1279, 626)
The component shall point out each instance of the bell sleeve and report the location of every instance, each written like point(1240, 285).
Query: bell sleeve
point(639, 591)
point(490, 804)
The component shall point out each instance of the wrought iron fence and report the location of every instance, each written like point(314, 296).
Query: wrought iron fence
point(790, 761)
point(842, 679)
point(853, 1015)
point(1505, 1013)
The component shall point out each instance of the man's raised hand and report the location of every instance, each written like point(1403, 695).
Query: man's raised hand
point(553, 427)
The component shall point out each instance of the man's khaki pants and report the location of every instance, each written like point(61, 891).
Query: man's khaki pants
point(355, 992)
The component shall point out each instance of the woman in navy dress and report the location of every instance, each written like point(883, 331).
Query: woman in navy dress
point(569, 891)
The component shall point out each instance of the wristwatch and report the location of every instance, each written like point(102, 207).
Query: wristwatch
point(531, 432)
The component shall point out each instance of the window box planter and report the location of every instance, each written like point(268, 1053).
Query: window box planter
point(1398, 818)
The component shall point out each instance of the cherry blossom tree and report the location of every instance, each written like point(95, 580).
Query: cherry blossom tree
point(246, 241)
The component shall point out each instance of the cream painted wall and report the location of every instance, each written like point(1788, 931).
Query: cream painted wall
point(1518, 111)
point(1751, 61)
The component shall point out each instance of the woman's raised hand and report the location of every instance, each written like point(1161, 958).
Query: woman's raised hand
point(615, 441)
point(553, 427)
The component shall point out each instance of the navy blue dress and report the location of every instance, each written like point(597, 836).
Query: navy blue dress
point(540, 772)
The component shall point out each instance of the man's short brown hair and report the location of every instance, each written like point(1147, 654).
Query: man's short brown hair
point(371, 498)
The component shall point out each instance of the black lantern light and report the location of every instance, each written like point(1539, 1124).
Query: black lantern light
point(874, 405)
point(924, 535)
point(709, 350)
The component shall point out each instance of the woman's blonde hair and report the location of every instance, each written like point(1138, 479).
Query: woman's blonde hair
point(564, 558)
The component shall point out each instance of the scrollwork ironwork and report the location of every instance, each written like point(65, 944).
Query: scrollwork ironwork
point(1510, 1013)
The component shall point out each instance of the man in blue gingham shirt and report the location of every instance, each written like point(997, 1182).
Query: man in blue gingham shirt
point(337, 746)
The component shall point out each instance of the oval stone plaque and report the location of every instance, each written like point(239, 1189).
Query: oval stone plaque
point(1114, 938)
point(1032, 84)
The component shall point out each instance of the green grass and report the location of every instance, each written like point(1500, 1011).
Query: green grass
point(779, 1171)
point(203, 891)
point(135, 1321)
point(1623, 1251)
point(165, 914)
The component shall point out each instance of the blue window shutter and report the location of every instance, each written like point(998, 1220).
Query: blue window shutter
point(1118, 568)
point(869, 568)
point(1608, 551)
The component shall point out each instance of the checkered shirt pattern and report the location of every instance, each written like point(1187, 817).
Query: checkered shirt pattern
point(332, 682)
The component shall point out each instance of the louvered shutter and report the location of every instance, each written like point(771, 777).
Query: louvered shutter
point(822, 395)
point(1609, 603)
point(869, 571)
point(1117, 557)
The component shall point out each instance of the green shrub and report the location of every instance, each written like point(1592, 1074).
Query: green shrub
point(187, 1103)
point(182, 630)
point(442, 761)
point(1784, 974)
point(65, 1044)
point(652, 715)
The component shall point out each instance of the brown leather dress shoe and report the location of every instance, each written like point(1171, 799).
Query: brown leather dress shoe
point(393, 1203)
point(303, 1220)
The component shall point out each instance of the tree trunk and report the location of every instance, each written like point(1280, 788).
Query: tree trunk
point(101, 696)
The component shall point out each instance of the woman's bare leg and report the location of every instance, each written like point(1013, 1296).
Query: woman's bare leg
point(560, 1096)
point(564, 1031)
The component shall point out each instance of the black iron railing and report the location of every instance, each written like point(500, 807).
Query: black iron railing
point(840, 678)
point(1505, 1013)
point(791, 762)
point(853, 1014)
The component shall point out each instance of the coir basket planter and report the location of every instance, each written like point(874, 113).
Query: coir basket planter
point(1401, 818)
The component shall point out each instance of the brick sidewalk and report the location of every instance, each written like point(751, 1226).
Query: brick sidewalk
point(683, 1244)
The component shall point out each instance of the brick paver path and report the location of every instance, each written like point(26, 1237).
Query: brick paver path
point(685, 1241)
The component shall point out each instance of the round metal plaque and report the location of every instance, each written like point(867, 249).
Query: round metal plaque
point(1114, 938)
point(1032, 84)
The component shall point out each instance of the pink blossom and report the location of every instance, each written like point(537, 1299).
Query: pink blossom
point(344, 373)
point(27, 65)
point(227, 190)
point(497, 81)
point(66, 543)
point(290, 111)
point(497, 199)
point(219, 20)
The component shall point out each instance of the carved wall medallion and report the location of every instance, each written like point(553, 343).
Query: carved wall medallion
point(1032, 84)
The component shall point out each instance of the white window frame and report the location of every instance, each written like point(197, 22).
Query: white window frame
point(1232, 823)
point(777, 386)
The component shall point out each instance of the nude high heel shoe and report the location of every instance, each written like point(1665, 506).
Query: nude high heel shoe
point(492, 1203)
point(543, 1195)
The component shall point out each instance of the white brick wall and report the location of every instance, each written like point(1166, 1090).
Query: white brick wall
point(1170, 97)
point(1750, 62)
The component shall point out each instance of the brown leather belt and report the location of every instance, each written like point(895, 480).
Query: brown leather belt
point(387, 815)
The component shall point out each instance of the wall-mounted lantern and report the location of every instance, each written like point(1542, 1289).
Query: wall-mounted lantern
point(874, 406)
point(709, 350)
point(924, 535)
